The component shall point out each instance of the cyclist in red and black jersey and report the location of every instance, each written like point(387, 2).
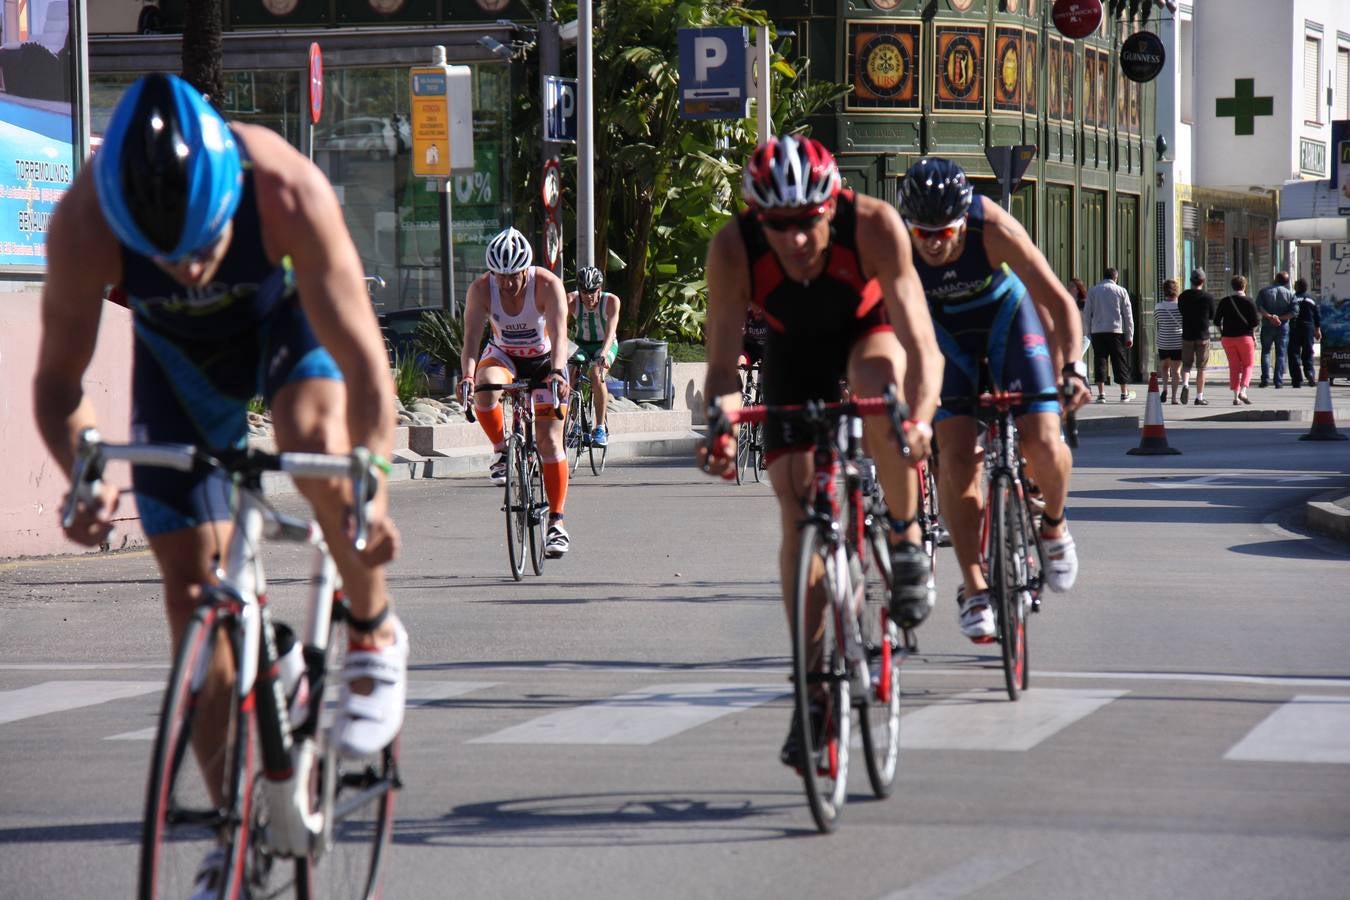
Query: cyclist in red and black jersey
point(831, 273)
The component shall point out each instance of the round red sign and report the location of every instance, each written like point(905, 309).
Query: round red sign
point(315, 83)
point(1077, 18)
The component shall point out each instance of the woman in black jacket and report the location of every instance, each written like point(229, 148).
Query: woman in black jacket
point(1237, 320)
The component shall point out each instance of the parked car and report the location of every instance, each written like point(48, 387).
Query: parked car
point(370, 135)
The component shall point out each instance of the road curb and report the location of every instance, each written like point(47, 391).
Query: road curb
point(1329, 514)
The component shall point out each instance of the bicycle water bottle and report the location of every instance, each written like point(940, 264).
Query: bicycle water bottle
point(291, 663)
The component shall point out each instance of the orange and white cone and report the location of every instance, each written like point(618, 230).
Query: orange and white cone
point(1324, 416)
point(1153, 441)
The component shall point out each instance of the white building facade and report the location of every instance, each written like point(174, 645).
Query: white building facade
point(1245, 103)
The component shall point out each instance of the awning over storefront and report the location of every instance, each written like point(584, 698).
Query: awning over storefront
point(1308, 212)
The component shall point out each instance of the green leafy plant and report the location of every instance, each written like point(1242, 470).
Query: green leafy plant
point(410, 380)
point(440, 336)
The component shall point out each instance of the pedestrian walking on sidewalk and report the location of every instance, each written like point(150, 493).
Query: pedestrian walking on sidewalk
point(1167, 318)
point(1304, 328)
point(1276, 306)
point(1196, 306)
point(1237, 319)
point(1109, 318)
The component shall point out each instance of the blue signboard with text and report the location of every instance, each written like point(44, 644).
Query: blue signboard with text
point(560, 109)
point(713, 73)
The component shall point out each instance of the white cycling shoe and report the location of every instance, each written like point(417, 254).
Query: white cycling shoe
point(1061, 562)
point(976, 617)
point(367, 723)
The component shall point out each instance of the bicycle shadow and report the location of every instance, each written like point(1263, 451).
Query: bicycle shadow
point(650, 818)
point(112, 832)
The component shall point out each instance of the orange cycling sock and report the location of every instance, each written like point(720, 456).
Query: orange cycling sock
point(493, 422)
point(555, 484)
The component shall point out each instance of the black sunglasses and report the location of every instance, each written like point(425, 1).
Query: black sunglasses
point(786, 223)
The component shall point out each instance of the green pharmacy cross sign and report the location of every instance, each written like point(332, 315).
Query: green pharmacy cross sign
point(1245, 107)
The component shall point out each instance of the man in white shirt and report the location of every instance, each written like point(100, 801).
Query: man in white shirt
point(1109, 318)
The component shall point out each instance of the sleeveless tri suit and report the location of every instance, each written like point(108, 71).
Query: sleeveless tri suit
point(202, 353)
point(811, 326)
point(981, 311)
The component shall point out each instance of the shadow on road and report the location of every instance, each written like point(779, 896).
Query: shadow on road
point(119, 832)
point(580, 820)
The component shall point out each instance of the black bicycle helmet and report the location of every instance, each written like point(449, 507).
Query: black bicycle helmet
point(589, 278)
point(934, 192)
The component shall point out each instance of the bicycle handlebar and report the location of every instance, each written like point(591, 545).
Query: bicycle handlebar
point(1003, 401)
point(720, 421)
point(515, 387)
point(93, 453)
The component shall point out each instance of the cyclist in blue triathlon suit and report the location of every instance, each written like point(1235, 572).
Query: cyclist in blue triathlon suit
point(993, 295)
point(242, 280)
point(829, 271)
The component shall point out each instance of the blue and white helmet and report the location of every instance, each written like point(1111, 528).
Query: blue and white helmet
point(168, 176)
point(509, 252)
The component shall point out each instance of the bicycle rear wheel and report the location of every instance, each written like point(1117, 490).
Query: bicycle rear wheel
point(819, 679)
point(356, 798)
point(597, 456)
point(537, 503)
point(574, 431)
point(181, 822)
point(879, 710)
point(517, 507)
point(1006, 554)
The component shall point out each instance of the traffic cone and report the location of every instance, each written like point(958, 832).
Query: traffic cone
point(1153, 441)
point(1324, 416)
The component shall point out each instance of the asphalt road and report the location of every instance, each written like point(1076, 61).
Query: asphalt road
point(611, 728)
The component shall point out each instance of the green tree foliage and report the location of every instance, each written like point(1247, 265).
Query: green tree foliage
point(663, 184)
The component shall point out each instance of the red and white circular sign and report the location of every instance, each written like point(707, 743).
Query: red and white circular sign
point(315, 83)
point(553, 241)
point(1077, 18)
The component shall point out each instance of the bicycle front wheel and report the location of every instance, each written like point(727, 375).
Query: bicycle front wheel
point(182, 822)
point(574, 432)
point(1007, 554)
point(537, 502)
point(517, 507)
point(356, 799)
point(879, 710)
point(820, 688)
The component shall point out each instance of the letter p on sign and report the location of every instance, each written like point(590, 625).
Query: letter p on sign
point(709, 53)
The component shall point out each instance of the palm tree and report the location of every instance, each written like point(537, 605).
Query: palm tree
point(202, 47)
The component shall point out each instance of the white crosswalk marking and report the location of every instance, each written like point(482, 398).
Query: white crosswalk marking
point(58, 696)
point(638, 717)
point(420, 694)
point(986, 720)
point(1307, 729)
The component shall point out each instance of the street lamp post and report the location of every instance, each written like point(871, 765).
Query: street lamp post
point(585, 139)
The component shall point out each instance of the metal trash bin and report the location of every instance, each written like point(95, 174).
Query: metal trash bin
point(645, 368)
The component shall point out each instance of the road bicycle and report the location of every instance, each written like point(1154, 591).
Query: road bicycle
point(1011, 551)
point(310, 822)
point(525, 500)
point(578, 433)
point(750, 439)
point(857, 663)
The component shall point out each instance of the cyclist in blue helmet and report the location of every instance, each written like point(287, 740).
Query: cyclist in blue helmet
point(242, 280)
point(992, 295)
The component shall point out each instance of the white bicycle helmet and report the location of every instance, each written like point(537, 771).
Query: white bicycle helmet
point(509, 252)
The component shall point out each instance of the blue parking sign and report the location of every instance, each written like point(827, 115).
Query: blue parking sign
point(560, 109)
point(713, 73)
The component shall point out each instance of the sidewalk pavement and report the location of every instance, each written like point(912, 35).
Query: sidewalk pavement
point(1328, 513)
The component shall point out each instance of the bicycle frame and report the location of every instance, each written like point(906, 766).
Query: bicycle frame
point(241, 591)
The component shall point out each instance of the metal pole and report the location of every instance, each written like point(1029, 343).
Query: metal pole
point(79, 42)
point(549, 53)
point(447, 256)
point(585, 140)
point(762, 83)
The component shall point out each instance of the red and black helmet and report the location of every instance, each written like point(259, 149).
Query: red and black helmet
point(790, 172)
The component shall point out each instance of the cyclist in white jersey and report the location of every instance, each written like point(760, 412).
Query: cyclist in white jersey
point(596, 313)
point(527, 308)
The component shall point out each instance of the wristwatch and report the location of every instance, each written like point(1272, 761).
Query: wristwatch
point(1077, 367)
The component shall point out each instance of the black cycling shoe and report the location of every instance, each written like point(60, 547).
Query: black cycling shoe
point(912, 594)
point(791, 754)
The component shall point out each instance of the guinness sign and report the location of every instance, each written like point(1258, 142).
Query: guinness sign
point(1142, 56)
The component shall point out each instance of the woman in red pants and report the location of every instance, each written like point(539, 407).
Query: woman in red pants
point(1237, 319)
